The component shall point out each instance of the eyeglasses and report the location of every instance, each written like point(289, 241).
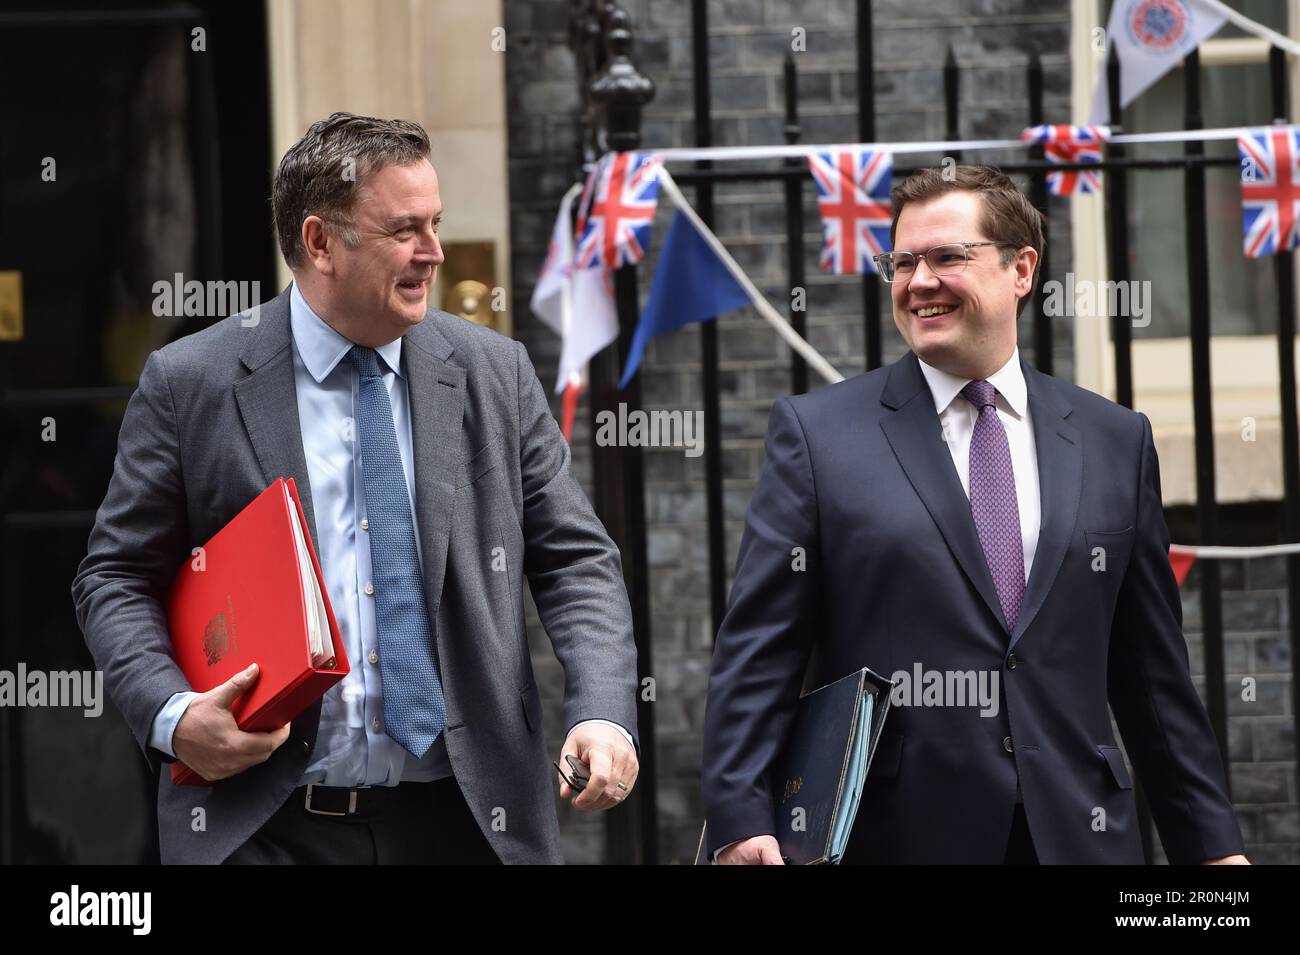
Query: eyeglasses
point(947, 259)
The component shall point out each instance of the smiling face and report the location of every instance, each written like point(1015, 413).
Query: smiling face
point(964, 323)
point(375, 292)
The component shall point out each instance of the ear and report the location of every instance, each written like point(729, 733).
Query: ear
point(1025, 262)
point(316, 240)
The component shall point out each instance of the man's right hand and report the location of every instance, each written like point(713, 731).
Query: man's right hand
point(208, 740)
point(756, 850)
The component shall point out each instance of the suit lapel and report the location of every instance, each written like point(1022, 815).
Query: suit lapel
point(268, 403)
point(916, 437)
point(437, 397)
point(1059, 449)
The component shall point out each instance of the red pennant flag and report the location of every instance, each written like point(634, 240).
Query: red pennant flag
point(569, 408)
point(1182, 562)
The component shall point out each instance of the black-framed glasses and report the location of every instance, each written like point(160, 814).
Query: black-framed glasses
point(947, 259)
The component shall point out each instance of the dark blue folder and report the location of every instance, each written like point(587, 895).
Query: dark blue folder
point(818, 778)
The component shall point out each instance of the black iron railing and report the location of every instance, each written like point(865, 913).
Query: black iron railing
point(600, 27)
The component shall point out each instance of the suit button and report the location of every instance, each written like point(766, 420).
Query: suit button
point(1011, 662)
point(1006, 744)
point(306, 746)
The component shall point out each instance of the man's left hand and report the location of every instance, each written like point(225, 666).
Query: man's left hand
point(610, 760)
point(1228, 860)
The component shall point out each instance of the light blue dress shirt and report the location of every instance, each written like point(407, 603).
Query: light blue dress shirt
point(351, 747)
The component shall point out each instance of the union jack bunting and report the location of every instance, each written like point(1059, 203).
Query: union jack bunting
point(1069, 144)
point(1270, 190)
point(614, 221)
point(853, 195)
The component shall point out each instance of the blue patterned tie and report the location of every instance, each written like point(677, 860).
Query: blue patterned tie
point(993, 502)
point(414, 709)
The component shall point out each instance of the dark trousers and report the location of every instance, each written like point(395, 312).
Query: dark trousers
point(1020, 847)
point(426, 824)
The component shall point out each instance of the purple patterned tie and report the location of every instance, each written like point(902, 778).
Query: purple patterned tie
point(993, 500)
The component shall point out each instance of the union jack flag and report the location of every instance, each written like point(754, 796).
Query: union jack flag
point(1270, 190)
point(1064, 143)
point(615, 216)
point(853, 195)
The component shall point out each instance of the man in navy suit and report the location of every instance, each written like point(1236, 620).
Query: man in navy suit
point(960, 518)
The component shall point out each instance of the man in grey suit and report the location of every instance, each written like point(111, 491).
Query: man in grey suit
point(434, 480)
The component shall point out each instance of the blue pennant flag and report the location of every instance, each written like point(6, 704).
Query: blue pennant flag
point(691, 284)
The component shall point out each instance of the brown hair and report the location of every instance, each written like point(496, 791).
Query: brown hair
point(1007, 217)
point(322, 173)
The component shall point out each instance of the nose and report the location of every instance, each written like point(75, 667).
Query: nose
point(923, 276)
point(430, 247)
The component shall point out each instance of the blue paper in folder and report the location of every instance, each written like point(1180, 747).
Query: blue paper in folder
point(818, 779)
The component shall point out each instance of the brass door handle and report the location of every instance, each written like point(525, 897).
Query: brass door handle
point(11, 306)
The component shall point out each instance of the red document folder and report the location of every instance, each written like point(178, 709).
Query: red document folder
point(241, 600)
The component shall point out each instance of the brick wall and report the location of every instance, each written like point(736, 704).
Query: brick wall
point(748, 42)
point(1256, 647)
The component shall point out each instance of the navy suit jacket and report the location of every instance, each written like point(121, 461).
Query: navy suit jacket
point(857, 475)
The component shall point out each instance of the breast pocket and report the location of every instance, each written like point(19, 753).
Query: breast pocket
point(1108, 551)
point(483, 461)
point(1105, 561)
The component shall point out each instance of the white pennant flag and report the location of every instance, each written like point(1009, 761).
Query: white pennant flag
point(551, 301)
point(1151, 37)
point(577, 304)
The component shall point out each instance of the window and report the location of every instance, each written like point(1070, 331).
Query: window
point(1243, 307)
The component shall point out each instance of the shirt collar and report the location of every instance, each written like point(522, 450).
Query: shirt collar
point(1009, 380)
point(321, 347)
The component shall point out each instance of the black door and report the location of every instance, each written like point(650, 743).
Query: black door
point(134, 146)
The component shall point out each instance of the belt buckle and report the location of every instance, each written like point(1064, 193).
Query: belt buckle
point(352, 804)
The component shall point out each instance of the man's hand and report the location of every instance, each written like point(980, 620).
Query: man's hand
point(208, 740)
point(756, 850)
point(1228, 860)
point(610, 759)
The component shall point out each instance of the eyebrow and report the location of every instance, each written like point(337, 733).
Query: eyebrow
point(401, 220)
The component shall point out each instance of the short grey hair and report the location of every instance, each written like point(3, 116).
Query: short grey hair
point(322, 174)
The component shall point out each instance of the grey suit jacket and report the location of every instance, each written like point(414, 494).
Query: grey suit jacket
point(215, 420)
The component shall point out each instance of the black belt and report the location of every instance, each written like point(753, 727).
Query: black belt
point(363, 800)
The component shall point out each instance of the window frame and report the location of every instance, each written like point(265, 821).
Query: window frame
point(1244, 368)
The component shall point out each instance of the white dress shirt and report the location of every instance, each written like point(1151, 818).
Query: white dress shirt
point(957, 417)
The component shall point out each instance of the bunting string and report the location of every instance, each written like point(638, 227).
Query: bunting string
point(797, 150)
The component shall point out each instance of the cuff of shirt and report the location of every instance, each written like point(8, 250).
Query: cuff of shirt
point(625, 733)
point(717, 852)
point(164, 724)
